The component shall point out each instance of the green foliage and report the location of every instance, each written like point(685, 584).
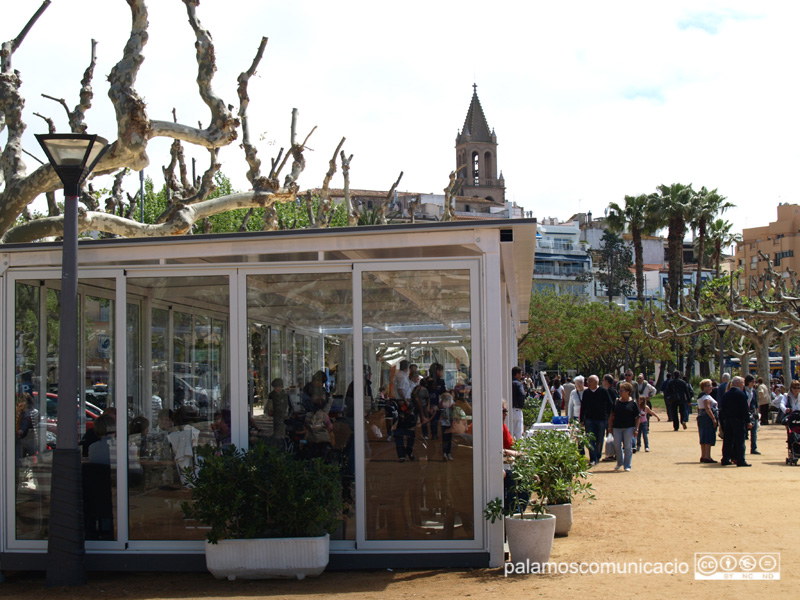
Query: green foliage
point(531, 412)
point(291, 215)
point(586, 336)
point(548, 470)
point(562, 470)
point(372, 216)
point(614, 261)
point(263, 492)
point(155, 203)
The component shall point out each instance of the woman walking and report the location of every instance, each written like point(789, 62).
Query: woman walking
point(624, 425)
point(707, 416)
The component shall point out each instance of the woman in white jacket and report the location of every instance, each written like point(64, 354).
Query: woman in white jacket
point(575, 397)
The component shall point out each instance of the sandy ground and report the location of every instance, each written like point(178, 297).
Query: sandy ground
point(668, 508)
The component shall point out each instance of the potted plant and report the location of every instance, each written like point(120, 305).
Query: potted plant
point(529, 528)
point(269, 514)
point(563, 471)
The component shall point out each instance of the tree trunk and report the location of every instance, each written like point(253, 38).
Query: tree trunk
point(701, 242)
point(744, 361)
point(786, 353)
point(675, 251)
point(638, 252)
point(762, 357)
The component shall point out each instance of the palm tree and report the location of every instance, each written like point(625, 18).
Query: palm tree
point(707, 205)
point(639, 220)
point(673, 207)
point(720, 236)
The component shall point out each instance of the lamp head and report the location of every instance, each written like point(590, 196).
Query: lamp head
point(73, 156)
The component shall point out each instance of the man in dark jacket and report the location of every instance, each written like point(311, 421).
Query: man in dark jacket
point(518, 397)
point(595, 409)
point(677, 395)
point(734, 417)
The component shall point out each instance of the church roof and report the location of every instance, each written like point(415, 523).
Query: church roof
point(475, 125)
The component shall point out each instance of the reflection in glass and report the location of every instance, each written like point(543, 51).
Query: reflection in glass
point(181, 402)
point(300, 353)
point(30, 424)
point(419, 463)
point(36, 404)
point(99, 419)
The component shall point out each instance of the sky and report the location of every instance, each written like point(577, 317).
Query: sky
point(590, 101)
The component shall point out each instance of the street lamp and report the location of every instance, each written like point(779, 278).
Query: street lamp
point(626, 335)
point(73, 156)
point(722, 327)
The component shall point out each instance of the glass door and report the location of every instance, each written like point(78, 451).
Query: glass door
point(420, 464)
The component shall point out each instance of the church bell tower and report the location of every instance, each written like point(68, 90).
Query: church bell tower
point(476, 156)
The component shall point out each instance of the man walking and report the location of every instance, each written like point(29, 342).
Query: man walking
point(676, 394)
point(518, 397)
point(752, 406)
point(595, 410)
point(734, 417)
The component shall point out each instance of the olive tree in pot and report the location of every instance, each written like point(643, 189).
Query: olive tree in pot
point(269, 514)
point(563, 471)
point(529, 528)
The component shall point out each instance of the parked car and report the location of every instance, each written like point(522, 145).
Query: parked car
point(98, 395)
point(189, 394)
point(90, 410)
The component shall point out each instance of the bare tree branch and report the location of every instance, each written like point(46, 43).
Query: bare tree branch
point(389, 195)
point(450, 193)
point(76, 118)
point(250, 152)
point(221, 130)
point(324, 207)
point(180, 221)
point(352, 214)
point(207, 185)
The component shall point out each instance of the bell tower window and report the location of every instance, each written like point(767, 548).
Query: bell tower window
point(476, 168)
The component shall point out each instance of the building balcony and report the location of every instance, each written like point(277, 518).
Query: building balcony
point(557, 271)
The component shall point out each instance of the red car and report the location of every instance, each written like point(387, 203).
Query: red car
point(91, 411)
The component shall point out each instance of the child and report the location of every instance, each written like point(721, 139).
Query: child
point(446, 405)
point(644, 424)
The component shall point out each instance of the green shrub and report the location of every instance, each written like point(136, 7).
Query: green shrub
point(549, 470)
point(562, 470)
point(263, 492)
point(531, 412)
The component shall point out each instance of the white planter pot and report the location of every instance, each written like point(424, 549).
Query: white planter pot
point(274, 558)
point(563, 514)
point(530, 539)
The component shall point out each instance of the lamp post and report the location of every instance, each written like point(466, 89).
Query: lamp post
point(73, 156)
point(722, 327)
point(626, 335)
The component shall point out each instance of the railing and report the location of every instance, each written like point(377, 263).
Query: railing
point(557, 270)
point(555, 245)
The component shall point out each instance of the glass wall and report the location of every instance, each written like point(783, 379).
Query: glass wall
point(300, 370)
point(36, 332)
point(418, 445)
point(299, 394)
point(178, 395)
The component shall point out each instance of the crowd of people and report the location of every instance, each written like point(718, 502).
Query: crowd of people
point(616, 414)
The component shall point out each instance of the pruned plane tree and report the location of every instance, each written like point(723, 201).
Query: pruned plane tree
point(190, 201)
point(766, 318)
